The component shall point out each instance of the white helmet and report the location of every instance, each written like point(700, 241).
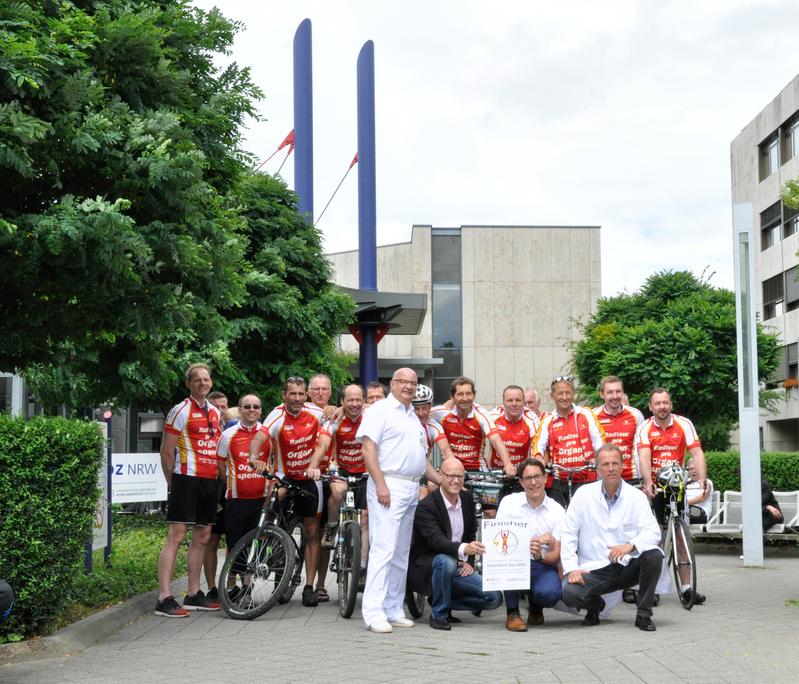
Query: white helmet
point(424, 395)
point(671, 476)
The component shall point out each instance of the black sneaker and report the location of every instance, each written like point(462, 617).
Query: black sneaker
point(233, 593)
point(309, 596)
point(199, 601)
point(169, 607)
point(213, 595)
point(629, 596)
point(699, 599)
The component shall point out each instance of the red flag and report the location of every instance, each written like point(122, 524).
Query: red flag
point(354, 161)
point(288, 140)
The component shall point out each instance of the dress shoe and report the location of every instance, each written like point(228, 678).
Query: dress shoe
point(453, 620)
point(591, 618)
point(401, 622)
point(699, 599)
point(514, 622)
point(477, 613)
point(381, 627)
point(440, 624)
point(535, 616)
point(645, 624)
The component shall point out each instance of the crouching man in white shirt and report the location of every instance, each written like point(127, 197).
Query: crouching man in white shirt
point(610, 542)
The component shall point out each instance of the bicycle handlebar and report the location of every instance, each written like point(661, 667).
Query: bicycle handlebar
point(556, 467)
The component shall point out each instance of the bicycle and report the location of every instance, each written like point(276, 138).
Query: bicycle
point(555, 468)
point(346, 556)
point(485, 486)
point(265, 565)
point(678, 546)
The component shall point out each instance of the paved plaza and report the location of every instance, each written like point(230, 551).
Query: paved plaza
point(748, 631)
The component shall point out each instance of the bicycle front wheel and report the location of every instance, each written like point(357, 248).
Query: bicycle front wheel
point(349, 573)
point(256, 572)
point(683, 563)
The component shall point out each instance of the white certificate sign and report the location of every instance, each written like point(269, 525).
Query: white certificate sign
point(506, 563)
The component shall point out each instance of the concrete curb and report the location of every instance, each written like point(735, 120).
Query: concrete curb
point(82, 634)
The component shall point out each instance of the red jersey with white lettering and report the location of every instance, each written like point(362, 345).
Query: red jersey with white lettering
point(324, 464)
point(620, 430)
point(517, 435)
point(570, 441)
point(234, 447)
point(293, 438)
point(347, 452)
point(667, 445)
point(466, 436)
point(197, 428)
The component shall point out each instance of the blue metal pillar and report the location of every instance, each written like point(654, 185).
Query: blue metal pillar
point(367, 211)
point(303, 119)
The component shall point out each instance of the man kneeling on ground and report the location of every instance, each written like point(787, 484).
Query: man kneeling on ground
point(441, 560)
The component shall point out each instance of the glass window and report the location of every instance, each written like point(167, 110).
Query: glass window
point(773, 297)
point(451, 367)
point(790, 220)
point(446, 312)
point(446, 258)
point(792, 286)
point(770, 224)
point(769, 155)
point(790, 138)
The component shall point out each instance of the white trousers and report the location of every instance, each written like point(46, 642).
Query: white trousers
point(390, 531)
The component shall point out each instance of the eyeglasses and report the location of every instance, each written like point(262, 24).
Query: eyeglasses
point(409, 383)
point(530, 478)
point(251, 407)
point(449, 476)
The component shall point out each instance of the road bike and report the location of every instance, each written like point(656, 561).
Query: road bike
point(678, 547)
point(265, 566)
point(555, 468)
point(346, 557)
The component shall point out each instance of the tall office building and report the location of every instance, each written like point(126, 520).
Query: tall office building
point(764, 156)
point(504, 302)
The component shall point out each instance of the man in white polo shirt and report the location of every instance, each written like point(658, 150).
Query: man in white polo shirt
point(546, 517)
point(610, 542)
point(395, 453)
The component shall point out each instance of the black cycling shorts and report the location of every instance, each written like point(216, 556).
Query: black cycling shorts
point(308, 506)
point(241, 516)
point(192, 500)
point(359, 488)
point(219, 522)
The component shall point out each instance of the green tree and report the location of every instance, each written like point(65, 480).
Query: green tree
point(678, 332)
point(125, 248)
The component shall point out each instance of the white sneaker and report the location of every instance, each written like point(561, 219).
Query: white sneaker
point(381, 627)
point(402, 622)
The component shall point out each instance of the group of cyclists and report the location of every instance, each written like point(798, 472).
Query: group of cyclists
point(305, 437)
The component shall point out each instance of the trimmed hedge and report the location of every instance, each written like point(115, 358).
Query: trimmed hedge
point(48, 490)
point(780, 468)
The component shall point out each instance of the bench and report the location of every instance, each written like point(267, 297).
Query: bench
point(728, 521)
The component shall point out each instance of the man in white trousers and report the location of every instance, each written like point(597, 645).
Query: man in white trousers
point(395, 452)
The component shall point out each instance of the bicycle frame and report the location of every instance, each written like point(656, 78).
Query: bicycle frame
point(570, 472)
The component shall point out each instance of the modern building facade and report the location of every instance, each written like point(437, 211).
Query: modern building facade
point(764, 156)
point(504, 302)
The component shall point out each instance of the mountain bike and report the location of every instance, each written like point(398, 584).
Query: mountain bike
point(265, 565)
point(678, 547)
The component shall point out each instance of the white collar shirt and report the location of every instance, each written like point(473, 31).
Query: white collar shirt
point(547, 517)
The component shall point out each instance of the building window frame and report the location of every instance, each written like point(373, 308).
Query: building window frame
point(769, 155)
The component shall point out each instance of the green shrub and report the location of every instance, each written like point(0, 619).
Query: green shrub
point(48, 489)
point(780, 468)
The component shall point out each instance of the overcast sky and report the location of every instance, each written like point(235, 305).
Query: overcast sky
point(618, 114)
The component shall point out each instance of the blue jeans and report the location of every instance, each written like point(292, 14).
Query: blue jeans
point(545, 587)
point(453, 592)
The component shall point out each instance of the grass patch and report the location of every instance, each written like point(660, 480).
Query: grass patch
point(131, 569)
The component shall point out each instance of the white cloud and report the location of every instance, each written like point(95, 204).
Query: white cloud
point(617, 114)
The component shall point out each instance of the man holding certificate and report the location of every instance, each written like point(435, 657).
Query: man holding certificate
point(545, 518)
point(443, 550)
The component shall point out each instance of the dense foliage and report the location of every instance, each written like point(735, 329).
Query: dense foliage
point(48, 486)
point(781, 469)
point(677, 332)
point(124, 239)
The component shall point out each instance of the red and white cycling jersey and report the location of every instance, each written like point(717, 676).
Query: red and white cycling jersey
point(197, 428)
point(434, 432)
point(234, 447)
point(620, 430)
point(466, 436)
point(324, 464)
point(570, 441)
point(293, 438)
point(667, 445)
point(517, 435)
point(346, 451)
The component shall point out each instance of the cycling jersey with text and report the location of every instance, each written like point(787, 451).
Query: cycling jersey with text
point(234, 447)
point(434, 432)
point(517, 435)
point(347, 452)
point(197, 428)
point(293, 438)
point(620, 430)
point(570, 441)
point(667, 445)
point(466, 436)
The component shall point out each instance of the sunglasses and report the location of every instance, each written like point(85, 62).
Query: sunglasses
point(562, 378)
point(250, 407)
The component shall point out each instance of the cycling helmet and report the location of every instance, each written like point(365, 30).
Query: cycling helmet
point(424, 395)
point(671, 476)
